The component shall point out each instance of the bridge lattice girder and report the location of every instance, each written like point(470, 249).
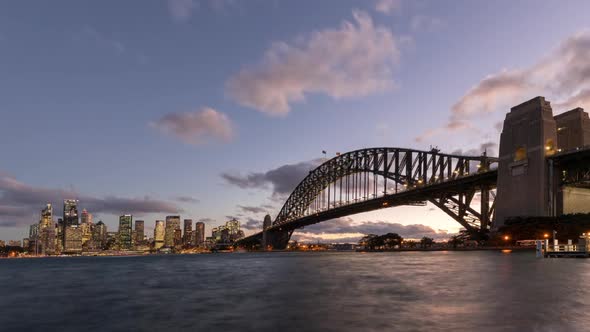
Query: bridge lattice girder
point(393, 170)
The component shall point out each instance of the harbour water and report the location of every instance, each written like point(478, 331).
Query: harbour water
point(394, 291)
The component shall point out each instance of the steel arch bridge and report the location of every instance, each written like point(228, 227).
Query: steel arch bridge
point(375, 178)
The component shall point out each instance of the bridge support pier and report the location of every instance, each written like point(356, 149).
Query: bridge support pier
point(276, 239)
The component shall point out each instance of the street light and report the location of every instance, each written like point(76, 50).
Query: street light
point(546, 235)
point(506, 237)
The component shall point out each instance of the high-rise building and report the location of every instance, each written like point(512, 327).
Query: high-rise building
point(86, 225)
point(47, 241)
point(139, 232)
point(125, 229)
point(187, 239)
point(70, 216)
point(159, 232)
point(85, 217)
point(73, 239)
point(70, 212)
point(199, 234)
point(172, 224)
point(46, 217)
point(99, 234)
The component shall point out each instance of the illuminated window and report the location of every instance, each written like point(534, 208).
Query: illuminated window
point(520, 154)
point(549, 147)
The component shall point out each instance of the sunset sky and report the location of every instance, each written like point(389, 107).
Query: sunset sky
point(211, 109)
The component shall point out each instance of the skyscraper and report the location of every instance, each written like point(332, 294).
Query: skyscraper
point(172, 224)
point(199, 234)
point(139, 232)
point(46, 217)
point(99, 234)
point(125, 229)
point(188, 230)
point(70, 212)
point(159, 232)
point(70, 217)
point(85, 217)
point(73, 236)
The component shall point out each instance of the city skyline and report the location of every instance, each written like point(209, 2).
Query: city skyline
point(184, 139)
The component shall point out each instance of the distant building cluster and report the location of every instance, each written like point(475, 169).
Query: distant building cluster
point(77, 234)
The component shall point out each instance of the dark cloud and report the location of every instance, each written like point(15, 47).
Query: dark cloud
point(282, 180)
point(347, 226)
point(252, 225)
point(252, 209)
point(186, 199)
point(21, 203)
point(207, 220)
point(491, 148)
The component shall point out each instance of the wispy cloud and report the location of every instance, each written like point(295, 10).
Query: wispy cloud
point(21, 202)
point(354, 60)
point(427, 23)
point(91, 35)
point(186, 199)
point(198, 127)
point(183, 10)
point(387, 6)
point(563, 76)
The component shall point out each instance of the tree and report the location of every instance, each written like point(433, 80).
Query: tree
point(426, 242)
point(391, 240)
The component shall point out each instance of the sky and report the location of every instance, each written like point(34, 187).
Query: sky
point(217, 108)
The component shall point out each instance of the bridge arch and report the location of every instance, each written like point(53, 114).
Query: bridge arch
point(376, 178)
point(366, 174)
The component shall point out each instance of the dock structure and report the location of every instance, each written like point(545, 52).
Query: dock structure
point(562, 250)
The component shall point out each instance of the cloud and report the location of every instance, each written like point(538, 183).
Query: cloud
point(207, 220)
point(182, 10)
point(347, 230)
point(491, 148)
point(281, 180)
point(21, 202)
point(428, 23)
point(354, 60)
point(198, 127)
point(563, 76)
point(252, 209)
point(186, 199)
point(387, 6)
point(252, 225)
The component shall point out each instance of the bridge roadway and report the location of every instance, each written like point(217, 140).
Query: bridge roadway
point(406, 197)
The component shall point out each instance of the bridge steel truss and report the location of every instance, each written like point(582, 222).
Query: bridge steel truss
point(374, 178)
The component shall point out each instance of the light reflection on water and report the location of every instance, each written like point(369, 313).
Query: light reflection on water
point(410, 291)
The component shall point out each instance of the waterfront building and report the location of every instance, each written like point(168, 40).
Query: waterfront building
point(14, 243)
point(227, 233)
point(177, 238)
point(73, 239)
point(187, 239)
point(47, 240)
point(172, 224)
point(112, 240)
point(139, 232)
point(199, 240)
point(99, 234)
point(33, 239)
point(125, 230)
point(2, 244)
point(159, 232)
